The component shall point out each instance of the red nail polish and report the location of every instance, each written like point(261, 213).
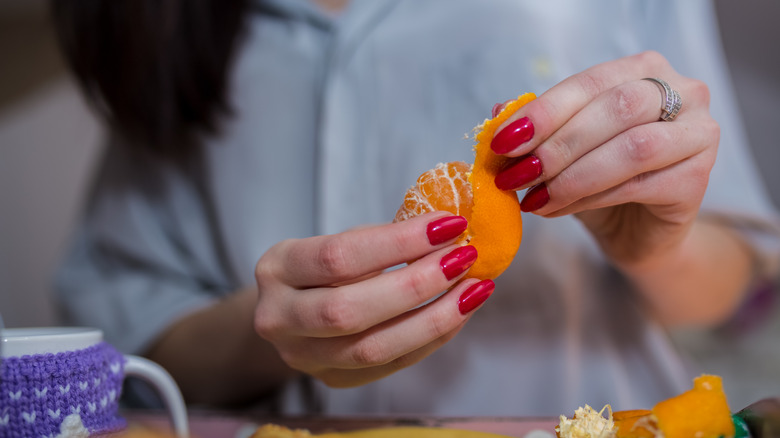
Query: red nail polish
point(475, 295)
point(446, 228)
point(535, 198)
point(515, 134)
point(520, 173)
point(497, 109)
point(457, 261)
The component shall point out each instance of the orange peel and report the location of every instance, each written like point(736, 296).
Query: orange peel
point(495, 226)
point(700, 412)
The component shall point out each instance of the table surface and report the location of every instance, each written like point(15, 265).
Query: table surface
point(211, 424)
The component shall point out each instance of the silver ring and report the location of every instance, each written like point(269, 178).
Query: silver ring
point(671, 103)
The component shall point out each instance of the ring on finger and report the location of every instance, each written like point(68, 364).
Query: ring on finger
point(672, 102)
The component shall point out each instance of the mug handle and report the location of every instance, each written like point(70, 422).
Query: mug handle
point(159, 378)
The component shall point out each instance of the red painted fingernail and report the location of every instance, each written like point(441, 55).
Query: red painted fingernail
point(520, 173)
point(535, 198)
point(515, 134)
point(446, 228)
point(457, 261)
point(497, 109)
point(475, 295)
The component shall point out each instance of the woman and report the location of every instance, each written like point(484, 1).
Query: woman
point(336, 108)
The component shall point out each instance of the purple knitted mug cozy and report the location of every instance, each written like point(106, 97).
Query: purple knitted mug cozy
point(40, 392)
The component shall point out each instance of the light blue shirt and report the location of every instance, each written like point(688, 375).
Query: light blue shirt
point(335, 118)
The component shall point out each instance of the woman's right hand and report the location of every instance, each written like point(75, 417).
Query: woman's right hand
point(333, 310)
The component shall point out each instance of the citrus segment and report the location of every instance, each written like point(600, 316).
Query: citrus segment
point(443, 188)
point(495, 227)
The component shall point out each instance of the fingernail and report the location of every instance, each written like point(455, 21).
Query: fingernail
point(520, 173)
point(535, 198)
point(515, 134)
point(497, 109)
point(446, 228)
point(457, 261)
point(475, 295)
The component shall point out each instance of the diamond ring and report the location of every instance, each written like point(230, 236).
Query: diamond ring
point(671, 103)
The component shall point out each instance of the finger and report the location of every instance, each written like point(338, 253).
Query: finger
point(325, 260)
point(354, 308)
point(674, 189)
point(339, 378)
point(618, 171)
point(556, 106)
point(398, 336)
point(612, 112)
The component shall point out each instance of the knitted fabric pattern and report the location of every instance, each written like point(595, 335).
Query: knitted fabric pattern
point(38, 391)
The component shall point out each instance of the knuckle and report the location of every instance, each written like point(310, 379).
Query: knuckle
point(633, 186)
point(711, 130)
point(566, 188)
point(642, 146)
point(556, 152)
point(625, 103)
point(267, 268)
point(266, 323)
point(264, 273)
point(592, 82)
point(402, 362)
point(368, 353)
point(403, 238)
point(438, 326)
point(264, 327)
point(338, 315)
point(543, 111)
point(653, 59)
point(332, 259)
point(700, 170)
point(700, 91)
point(415, 283)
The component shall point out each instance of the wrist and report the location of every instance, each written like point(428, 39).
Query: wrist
point(699, 281)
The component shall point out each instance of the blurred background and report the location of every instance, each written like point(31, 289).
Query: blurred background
point(49, 143)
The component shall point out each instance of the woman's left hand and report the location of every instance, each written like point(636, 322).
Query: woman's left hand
point(594, 146)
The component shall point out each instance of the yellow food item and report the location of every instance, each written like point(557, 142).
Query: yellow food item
point(275, 431)
point(701, 412)
point(495, 227)
point(587, 423)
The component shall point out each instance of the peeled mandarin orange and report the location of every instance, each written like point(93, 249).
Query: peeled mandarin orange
point(495, 227)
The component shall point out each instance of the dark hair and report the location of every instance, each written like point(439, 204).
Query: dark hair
point(157, 70)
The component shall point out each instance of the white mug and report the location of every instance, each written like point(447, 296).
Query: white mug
point(66, 381)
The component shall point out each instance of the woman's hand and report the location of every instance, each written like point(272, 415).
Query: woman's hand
point(332, 310)
point(594, 146)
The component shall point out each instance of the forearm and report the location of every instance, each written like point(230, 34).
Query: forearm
point(699, 283)
point(216, 357)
